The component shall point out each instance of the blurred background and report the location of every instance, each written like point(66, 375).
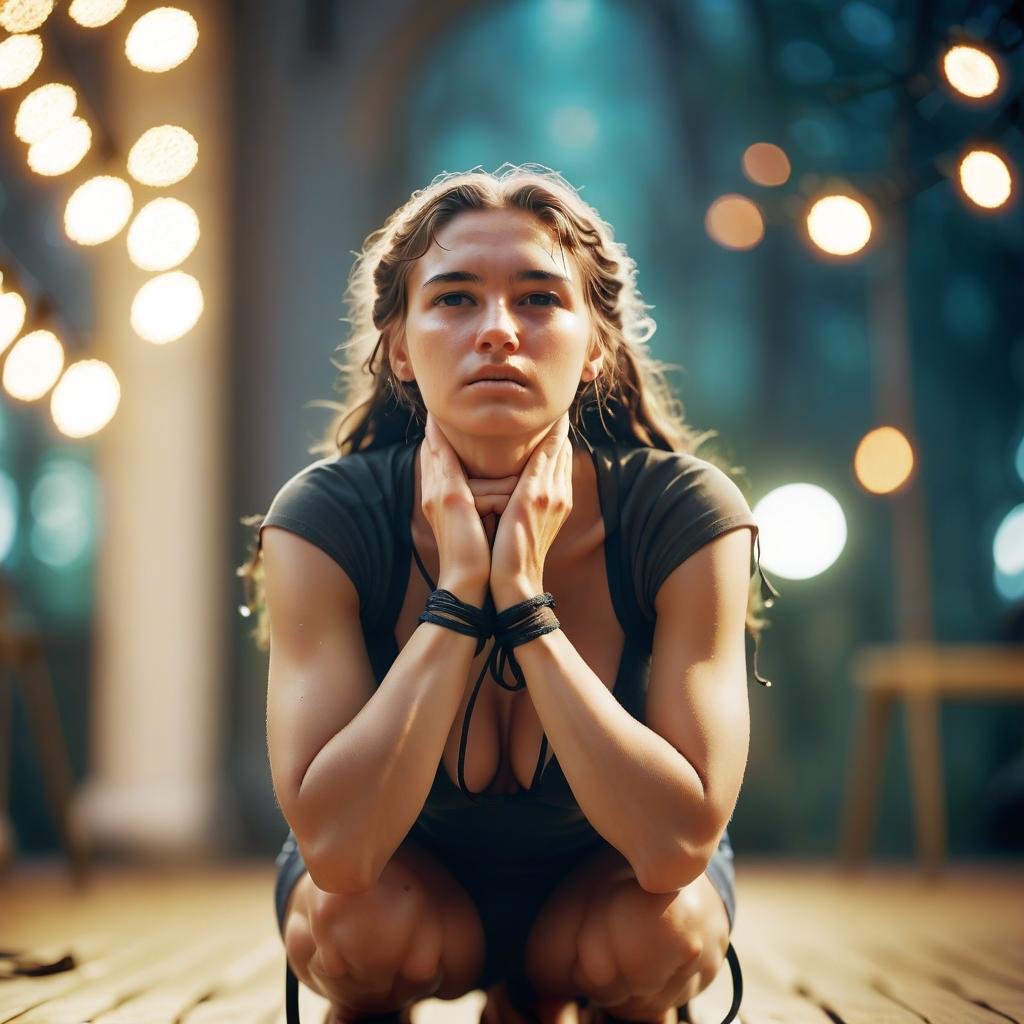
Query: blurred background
point(823, 202)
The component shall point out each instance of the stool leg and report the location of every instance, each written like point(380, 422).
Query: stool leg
point(53, 755)
point(864, 774)
point(924, 753)
point(6, 753)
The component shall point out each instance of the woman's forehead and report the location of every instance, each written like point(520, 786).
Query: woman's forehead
point(499, 241)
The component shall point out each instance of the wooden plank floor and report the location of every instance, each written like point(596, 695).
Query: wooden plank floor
point(200, 946)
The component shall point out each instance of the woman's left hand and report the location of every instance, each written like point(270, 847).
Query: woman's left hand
point(536, 511)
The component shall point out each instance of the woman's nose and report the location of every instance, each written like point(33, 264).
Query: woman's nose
point(498, 327)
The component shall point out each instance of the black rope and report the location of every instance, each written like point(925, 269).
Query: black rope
point(516, 625)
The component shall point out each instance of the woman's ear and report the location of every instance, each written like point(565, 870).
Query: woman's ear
point(398, 356)
point(593, 364)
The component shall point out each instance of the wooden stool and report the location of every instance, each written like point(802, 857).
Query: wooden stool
point(22, 656)
point(920, 675)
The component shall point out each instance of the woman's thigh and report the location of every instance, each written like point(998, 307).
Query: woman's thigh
point(459, 922)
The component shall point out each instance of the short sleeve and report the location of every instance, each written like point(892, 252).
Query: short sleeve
point(676, 505)
point(337, 504)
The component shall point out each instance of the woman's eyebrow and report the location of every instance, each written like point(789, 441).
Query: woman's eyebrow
point(519, 275)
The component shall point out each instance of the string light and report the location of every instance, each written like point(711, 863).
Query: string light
point(61, 150)
point(839, 225)
point(162, 156)
point(98, 209)
point(95, 13)
point(970, 71)
point(19, 57)
point(884, 460)
point(735, 222)
point(985, 179)
point(161, 39)
point(24, 15)
point(12, 317)
point(33, 365)
point(85, 399)
point(43, 111)
point(163, 233)
point(766, 164)
point(167, 307)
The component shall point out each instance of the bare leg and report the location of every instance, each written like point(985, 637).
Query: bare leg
point(415, 934)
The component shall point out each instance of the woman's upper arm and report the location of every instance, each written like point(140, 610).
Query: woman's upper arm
point(320, 672)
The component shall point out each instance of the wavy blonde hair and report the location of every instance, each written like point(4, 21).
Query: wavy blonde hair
point(630, 400)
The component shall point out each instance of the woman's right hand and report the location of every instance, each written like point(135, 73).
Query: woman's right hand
point(450, 507)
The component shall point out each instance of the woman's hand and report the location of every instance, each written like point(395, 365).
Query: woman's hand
point(450, 507)
point(539, 506)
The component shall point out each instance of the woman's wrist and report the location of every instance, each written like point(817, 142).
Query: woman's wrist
point(470, 591)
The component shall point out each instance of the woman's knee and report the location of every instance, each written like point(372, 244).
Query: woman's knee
point(414, 933)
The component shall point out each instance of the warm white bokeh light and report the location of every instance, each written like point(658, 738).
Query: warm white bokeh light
point(802, 528)
point(95, 13)
point(970, 71)
point(884, 460)
point(24, 15)
point(33, 365)
point(12, 318)
point(163, 233)
point(167, 307)
point(98, 209)
point(161, 39)
point(985, 179)
point(61, 150)
point(839, 225)
point(163, 156)
point(19, 57)
point(44, 110)
point(1008, 555)
point(734, 222)
point(766, 164)
point(85, 398)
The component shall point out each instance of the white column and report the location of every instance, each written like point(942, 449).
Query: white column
point(164, 570)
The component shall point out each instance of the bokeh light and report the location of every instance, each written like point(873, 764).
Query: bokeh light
point(95, 13)
point(167, 307)
point(970, 71)
point(33, 365)
point(985, 179)
point(43, 111)
point(24, 15)
point(98, 209)
point(163, 156)
point(734, 221)
point(12, 317)
point(839, 225)
point(766, 164)
point(884, 460)
point(163, 233)
point(85, 398)
point(8, 514)
point(803, 530)
point(62, 504)
point(19, 57)
point(1008, 555)
point(62, 150)
point(161, 39)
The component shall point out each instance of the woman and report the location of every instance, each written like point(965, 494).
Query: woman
point(561, 836)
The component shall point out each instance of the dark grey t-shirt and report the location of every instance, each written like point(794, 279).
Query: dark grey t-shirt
point(659, 508)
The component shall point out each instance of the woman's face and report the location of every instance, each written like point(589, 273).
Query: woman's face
point(492, 292)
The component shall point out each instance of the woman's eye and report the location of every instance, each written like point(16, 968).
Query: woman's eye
point(550, 296)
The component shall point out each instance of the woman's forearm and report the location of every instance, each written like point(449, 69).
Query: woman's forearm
point(366, 787)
